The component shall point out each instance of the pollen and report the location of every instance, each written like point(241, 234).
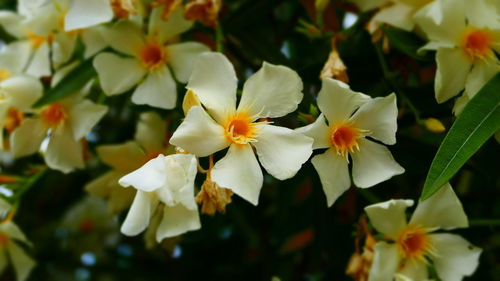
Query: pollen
point(152, 55)
point(413, 242)
point(240, 129)
point(344, 137)
point(477, 43)
point(54, 115)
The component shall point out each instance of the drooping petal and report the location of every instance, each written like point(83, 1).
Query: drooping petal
point(149, 177)
point(282, 151)
point(173, 26)
point(124, 157)
point(40, 62)
point(319, 131)
point(273, 91)
point(157, 90)
point(481, 73)
point(372, 164)
point(28, 137)
point(398, 15)
point(84, 116)
point(333, 173)
point(385, 262)
point(63, 48)
point(93, 40)
point(337, 101)
point(455, 257)
point(139, 214)
point(181, 172)
point(214, 82)
point(151, 132)
point(64, 153)
point(389, 217)
point(125, 36)
point(86, 13)
point(379, 116)
point(442, 210)
point(176, 221)
point(199, 134)
point(117, 74)
point(413, 269)
point(23, 264)
point(182, 57)
point(23, 91)
point(240, 172)
point(453, 66)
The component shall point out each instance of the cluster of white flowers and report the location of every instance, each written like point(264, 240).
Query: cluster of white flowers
point(154, 174)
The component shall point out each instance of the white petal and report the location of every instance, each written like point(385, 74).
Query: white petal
point(150, 177)
point(398, 15)
point(372, 164)
point(117, 74)
point(157, 90)
point(13, 231)
point(199, 134)
point(481, 73)
point(40, 62)
point(282, 151)
point(214, 82)
point(174, 25)
point(28, 137)
point(93, 40)
point(389, 217)
point(125, 157)
point(453, 66)
point(139, 214)
point(84, 116)
point(23, 91)
point(86, 13)
point(182, 58)
point(482, 14)
point(23, 264)
point(63, 48)
point(460, 104)
point(181, 172)
point(4, 261)
point(125, 36)
point(176, 221)
point(151, 132)
point(333, 173)
point(379, 116)
point(413, 270)
point(273, 91)
point(455, 257)
point(442, 210)
point(319, 131)
point(15, 56)
point(442, 20)
point(64, 153)
point(385, 262)
point(240, 172)
point(337, 101)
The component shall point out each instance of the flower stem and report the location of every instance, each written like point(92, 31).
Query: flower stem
point(219, 38)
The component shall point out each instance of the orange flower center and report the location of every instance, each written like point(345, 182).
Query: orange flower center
point(477, 42)
point(86, 225)
point(240, 129)
point(3, 239)
point(54, 115)
point(152, 55)
point(13, 119)
point(414, 242)
point(344, 137)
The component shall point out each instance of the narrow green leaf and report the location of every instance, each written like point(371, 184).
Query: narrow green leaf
point(406, 42)
point(72, 82)
point(479, 120)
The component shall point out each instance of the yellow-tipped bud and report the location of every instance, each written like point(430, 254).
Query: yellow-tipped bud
point(434, 125)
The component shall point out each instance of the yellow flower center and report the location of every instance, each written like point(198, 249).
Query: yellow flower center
point(413, 242)
point(240, 129)
point(477, 42)
point(152, 55)
point(13, 119)
point(3, 239)
point(344, 137)
point(54, 115)
point(37, 40)
point(4, 74)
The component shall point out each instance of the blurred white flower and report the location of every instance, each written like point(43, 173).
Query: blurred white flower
point(352, 117)
point(412, 243)
point(10, 236)
point(168, 180)
point(273, 91)
point(151, 56)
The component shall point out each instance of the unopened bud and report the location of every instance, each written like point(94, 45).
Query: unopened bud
point(434, 125)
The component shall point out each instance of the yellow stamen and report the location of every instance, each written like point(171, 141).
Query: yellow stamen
point(477, 43)
point(414, 242)
point(344, 137)
point(240, 129)
point(153, 55)
point(54, 115)
point(123, 8)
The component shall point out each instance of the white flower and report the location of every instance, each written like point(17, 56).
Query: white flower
point(413, 242)
point(168, 180)
point(124, 158)
point(273, 91)
point(466, 40)
point(150, 54)
point(351, 117)
point(66, 123)
point(10, 236)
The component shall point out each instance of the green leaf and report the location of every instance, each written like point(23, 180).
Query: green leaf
point(479, 120)
point(72, 82)
point(406, 42)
